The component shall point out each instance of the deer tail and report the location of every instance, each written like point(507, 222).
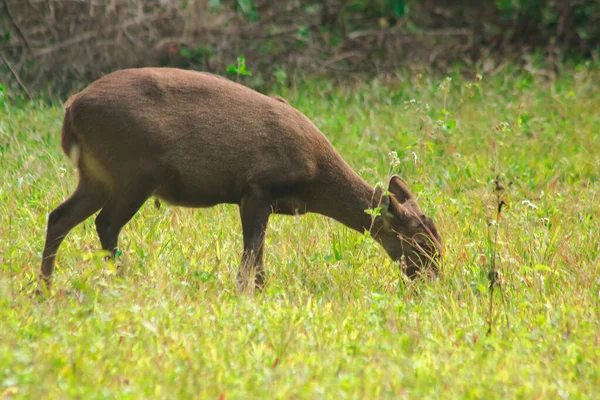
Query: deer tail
point(69, 142)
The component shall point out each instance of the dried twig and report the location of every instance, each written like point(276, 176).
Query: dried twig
point(16, 75)
point(396, 32)
point(92, 35)
point(340, 57)
point(50, 27)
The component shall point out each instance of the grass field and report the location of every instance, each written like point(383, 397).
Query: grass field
point(337, 319)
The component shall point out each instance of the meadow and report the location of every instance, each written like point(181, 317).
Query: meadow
point(337, 318)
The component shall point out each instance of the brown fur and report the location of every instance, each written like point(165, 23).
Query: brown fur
point(196, 140)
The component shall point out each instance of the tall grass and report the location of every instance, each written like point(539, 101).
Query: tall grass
point(337, 319)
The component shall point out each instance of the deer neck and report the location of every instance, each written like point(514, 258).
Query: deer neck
point(344, 196)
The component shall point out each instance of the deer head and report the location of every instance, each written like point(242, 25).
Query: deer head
point(403, 229)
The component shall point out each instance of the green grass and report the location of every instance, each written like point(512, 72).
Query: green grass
point(337, 319)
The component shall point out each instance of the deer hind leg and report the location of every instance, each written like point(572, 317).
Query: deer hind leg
point(85, 201)
point(254, 211)
point(120, 207)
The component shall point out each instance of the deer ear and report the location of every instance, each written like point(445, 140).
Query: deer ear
point(391, 209)
point(400, 189)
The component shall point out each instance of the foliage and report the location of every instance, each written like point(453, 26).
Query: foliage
point(573, 25)
point(59, 46)
point(337, 319)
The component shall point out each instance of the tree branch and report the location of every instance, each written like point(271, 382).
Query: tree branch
point(16, 75)
point(15, 26)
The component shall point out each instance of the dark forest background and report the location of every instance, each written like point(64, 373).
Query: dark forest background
point(57, 46)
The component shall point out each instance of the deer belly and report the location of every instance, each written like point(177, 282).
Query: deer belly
point(197, 191)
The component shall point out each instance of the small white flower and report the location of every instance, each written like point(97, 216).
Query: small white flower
point(529, 204)
point(394, 156)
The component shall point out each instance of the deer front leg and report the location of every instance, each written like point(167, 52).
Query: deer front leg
point(254, 211)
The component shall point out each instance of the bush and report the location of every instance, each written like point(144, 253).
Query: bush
point(63, 45)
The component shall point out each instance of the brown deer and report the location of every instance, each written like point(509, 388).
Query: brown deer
point(195, 139)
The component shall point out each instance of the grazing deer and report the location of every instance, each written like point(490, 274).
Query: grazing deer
point(194, 139)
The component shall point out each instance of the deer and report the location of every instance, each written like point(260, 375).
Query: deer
point(195, 139)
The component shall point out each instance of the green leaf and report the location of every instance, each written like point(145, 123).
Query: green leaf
point(240, 68)
point(185, 52)
point(398, 7)
point(375, 211)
